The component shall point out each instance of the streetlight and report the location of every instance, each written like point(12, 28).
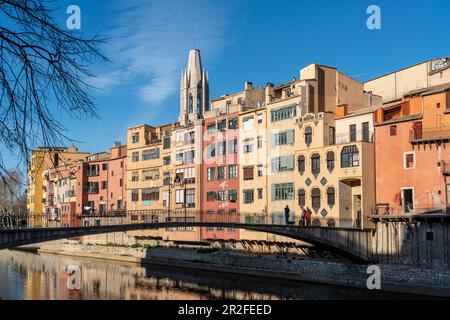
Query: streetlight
point(181, 183)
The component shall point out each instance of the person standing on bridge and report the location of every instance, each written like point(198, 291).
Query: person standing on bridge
point(286, 213)
point(308, 215)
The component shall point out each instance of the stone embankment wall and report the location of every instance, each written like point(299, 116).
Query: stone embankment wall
point(395, 278)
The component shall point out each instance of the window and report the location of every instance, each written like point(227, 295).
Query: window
point(186, 174)
point(179, 196)
point(221, 195)
point(150, 174)
point(283, 163)
point(315, 197)
point(222, 125)
point(134, 195)
point(331, 135)
point(352, 132)
point(166, 178)
point(150, 194)
point(248, 196)
point(104, 185)
point(301, 197)
point(365, 132)
point(221, 173)
point(248, 145)
point(349, 156)
point(259, 142)
point(260, 193)
point(393, 130)
point(330, 196)
point(248, 173)
point(135, 137)
point(134, 175)
point(282, 191)
point(301, 164)
point(166, 143)
point(104, 166)
point(330, 160)
point(315, 163)
point(260, 170)
point(308, 135)
point(438, 105)
point(232, 195)
point(211, 173)
point(233, 146)
point(166, 160)
point(221, 148)
point(150, 154)
point(211, 128)
point(92, 170)
point(233, 171)
point(409, 160)
point(233, 123)
point(283, 113)
point(211, 150)
point(284, 137)
point(260, 117)
point(190, 198)
point(211, 196)
point(248, 123)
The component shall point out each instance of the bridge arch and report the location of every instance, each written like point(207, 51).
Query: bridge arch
point(352, 243)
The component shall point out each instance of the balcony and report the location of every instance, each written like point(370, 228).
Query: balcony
point(91, 173)
point(358, 136)
point(445, 168)
point(438, 134)
point(91, 189)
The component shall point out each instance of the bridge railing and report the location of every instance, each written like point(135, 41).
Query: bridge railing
point(148, 216)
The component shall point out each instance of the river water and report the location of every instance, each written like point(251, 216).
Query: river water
point(25, 275)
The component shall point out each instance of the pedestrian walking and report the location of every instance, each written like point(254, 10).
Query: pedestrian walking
point(286, 213)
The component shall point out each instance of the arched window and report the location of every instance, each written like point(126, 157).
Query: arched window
point(331, 223)
point(191, 104)
point(301, 164)
point(331, 196)
point(301, 197)
point(316, 223)
point(349, 156)
point(315, 163)
point(308, 135)
point(330, 160)
point(315, 197)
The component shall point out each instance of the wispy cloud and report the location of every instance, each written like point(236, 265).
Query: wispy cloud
point(150, 40)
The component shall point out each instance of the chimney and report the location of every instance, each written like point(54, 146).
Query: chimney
point(248, 85)
point(269, 93)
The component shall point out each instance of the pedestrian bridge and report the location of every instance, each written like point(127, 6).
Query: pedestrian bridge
point(355, 244)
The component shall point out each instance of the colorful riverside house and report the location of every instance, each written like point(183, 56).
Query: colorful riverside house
point(412, 152)
point(301, 121)
point(412, 132)
point(253, 192)
point(221, 190)
point(100, 186)
point(41, 202)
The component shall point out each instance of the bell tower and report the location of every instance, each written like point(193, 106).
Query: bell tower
point(194, 90)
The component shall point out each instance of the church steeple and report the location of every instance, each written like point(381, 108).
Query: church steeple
point(194, 90)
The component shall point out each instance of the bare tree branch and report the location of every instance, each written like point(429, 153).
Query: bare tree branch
point(41, 66)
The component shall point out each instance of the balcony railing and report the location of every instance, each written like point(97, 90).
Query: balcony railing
point(445, 168)
point(432, 134)
point(358, 136)
point(91, 190)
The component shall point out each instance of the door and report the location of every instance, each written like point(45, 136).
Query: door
point(408, 199)
point(417, 127)
point(357, 210)
point(101, 208)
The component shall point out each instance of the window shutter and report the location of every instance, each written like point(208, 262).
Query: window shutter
point(273, 192)
point(290, 137)
point(290, 162)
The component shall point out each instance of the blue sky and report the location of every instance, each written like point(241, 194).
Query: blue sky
point(258, 41)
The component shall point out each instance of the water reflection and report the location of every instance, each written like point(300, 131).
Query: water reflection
point(32, 276)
